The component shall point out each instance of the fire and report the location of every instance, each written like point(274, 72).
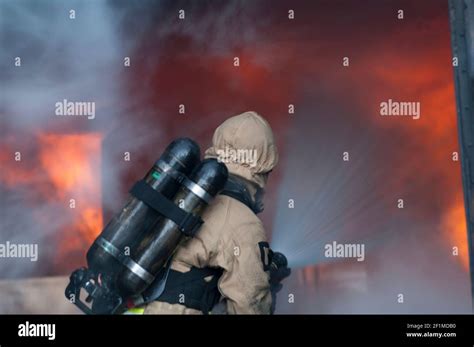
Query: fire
point(434, 135)
point(455, 227)
point(12, 175)
point(72, 164)
point(58, 179)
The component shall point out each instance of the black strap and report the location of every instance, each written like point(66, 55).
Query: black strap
point(192, 290)
point(237, 191)
point(188, 223)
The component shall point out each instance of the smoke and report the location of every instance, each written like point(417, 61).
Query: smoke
point(283, 62)
point(409, 265)
point(332, 191)
point(324, 199)
point(77, 56)
point(76, 51)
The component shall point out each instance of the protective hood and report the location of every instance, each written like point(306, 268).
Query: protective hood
point(245, 143)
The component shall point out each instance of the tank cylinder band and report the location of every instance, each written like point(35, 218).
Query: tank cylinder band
point(169, 170)
point(190, 185)
point(127, 261)
point(197, 190)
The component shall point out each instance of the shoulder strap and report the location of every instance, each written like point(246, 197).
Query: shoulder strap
point(238, 191)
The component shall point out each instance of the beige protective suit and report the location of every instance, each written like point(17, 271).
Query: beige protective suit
point(231, 231)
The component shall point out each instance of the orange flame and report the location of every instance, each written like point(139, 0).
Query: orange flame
point(12, 173)
point(63, 173)
point(455, 227)
point(72, 164)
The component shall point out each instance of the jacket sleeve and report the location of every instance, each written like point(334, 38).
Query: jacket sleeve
point(245, 279)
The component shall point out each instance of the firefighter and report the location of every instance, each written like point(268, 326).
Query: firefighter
point(225, 267)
